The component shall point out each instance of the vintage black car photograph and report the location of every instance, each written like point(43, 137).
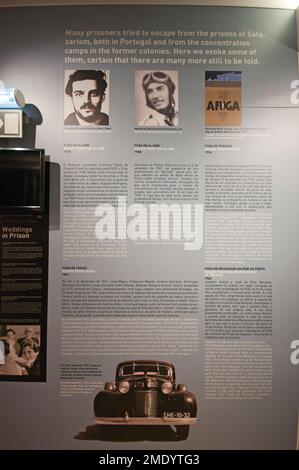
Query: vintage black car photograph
point(145, 393)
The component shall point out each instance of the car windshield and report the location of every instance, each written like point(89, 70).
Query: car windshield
point(145, 369)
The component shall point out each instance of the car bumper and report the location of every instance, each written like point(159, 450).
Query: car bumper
point(146, 421)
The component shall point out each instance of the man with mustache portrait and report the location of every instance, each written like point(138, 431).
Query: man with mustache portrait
point(86, 89)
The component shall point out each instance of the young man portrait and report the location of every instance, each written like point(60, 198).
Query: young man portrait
point(159, 97)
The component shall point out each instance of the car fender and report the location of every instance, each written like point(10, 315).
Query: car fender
point(180, 401)
point(109, 403)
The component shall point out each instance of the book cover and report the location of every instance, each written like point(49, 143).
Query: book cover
point(223, 99)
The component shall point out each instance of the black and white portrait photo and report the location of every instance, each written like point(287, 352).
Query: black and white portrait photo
point(86, 98)
point(156, 98)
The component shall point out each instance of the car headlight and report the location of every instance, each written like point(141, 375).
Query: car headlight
point(166, 387)
point(124, 387)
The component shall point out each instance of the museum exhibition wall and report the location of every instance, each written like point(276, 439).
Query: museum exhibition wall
point(149, 248)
